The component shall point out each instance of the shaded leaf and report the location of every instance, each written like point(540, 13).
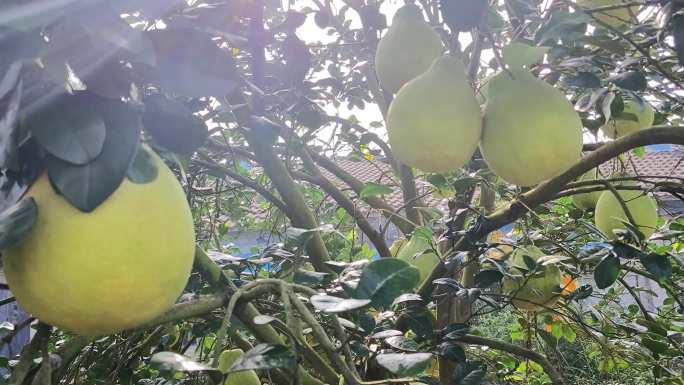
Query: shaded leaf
point(452, 352)
point(607, 271)
point(631, 80)
point(173, 125)
point(16, 222)
point(70, 129)
point(487, 278)
point(311, 278)
point(402, 343)
point(178, 69)
point(656, 264)
point(87, 186)
point(387, 333)
point(407, 298)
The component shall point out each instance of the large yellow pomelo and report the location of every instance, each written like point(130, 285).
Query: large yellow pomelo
point(533, 293)
point(531, 132)
point(407, 49)
point(434, 123)
point(416, 252)
point(587, 201)
point(246, 377)
point(109, 270)
point(613, 17)
point(617, 127)
point(609, 212)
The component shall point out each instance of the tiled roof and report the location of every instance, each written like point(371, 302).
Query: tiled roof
point(653, 163)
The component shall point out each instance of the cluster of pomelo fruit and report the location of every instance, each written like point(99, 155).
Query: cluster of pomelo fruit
point(527, 131)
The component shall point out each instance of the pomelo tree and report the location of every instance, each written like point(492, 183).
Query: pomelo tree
point(252, 104)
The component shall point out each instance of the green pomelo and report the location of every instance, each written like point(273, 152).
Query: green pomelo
point(617, 127)
point(246, 377)
point(407, 49)
point(613, 17)
point(112, 269)
point(434, 123)
point(531, 132)
point(609, 214)
point(587, 201)
point(415, 253)
point(532, 293)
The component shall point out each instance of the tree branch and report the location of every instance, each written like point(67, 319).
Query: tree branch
point(556, 378)
point(546, 191)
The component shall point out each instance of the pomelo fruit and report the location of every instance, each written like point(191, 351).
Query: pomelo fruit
point(109, 270)
point(609, 212)
point(587, 201)
point(613, 17)
point(617, 126)
point(533, 293)
point(416, 252)
point(531, 132)
point(434, 123)
point(407, 49)
point(246, 377)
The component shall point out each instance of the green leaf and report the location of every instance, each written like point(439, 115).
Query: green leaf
point(385, 279)
point(170, 361)
point(639, 152)
point(16, 222)
point(70, 129)
point(178, 69)
point(143, 169)
point(87, 186)
point(654, 343)
point(330, 304)
point(519, 55)
point(405, 364)
point(265, 356)
point(631, 80)
point(656, 264)
point(374, 189)
point(487, 278)
point(452, 352)
point(607, 271)
point(172, 124)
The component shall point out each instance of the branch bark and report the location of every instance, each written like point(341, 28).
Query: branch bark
point(556, 378)
point(546, 191)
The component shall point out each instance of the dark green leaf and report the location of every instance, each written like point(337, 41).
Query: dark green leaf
point(143, 169)
point(330, 304)
point(408, 298)
point(561, 25)
point(385, 279)
point(581, 293)
point(583, 79)
point(452, 352)
point(402, 343)
point(178, 69)
point(405, 364)
point(418, 319)
point(607, 271)
point(658, 265)
point(372, 189)
point(16, 222)
point(588, 100)
point(487, 278)
point(175, 362)
point(654, 343)
point(172, 124)
point(265, 356)
point(87, 186)
point(387, 333)
point(631, 80)
point(70, 129)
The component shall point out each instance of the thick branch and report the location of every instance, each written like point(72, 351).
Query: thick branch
point(402, 224)
point(254, 185)
point(518, 351)
point(546, 191)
